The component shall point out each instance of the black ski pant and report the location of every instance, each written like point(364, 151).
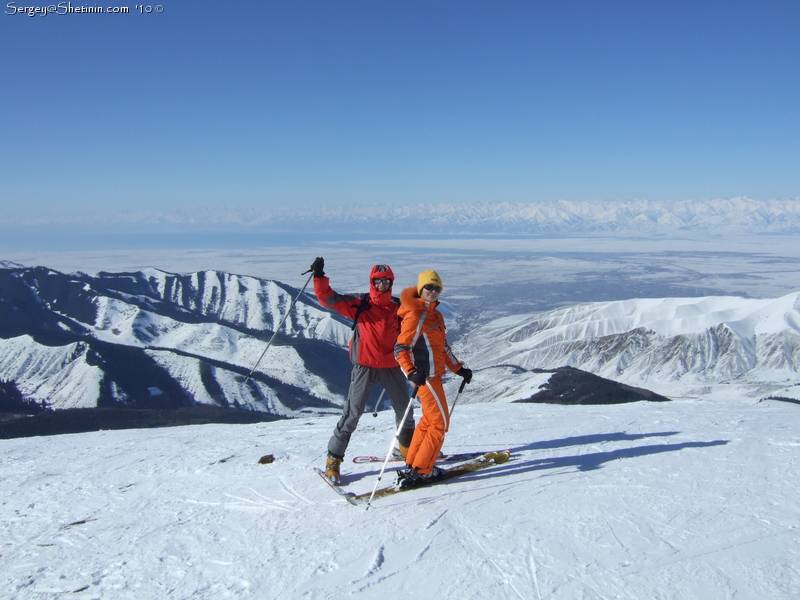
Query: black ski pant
point(362, 382)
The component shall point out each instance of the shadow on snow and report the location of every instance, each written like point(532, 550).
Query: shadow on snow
point(582, 462)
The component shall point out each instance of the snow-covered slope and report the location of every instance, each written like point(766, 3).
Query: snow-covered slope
point(58, 376)
point(159, 339)
point(673, 346)
point(679, 500)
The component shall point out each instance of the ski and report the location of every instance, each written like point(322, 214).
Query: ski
point(338, 489)
point(481, 462)
point(395, 458)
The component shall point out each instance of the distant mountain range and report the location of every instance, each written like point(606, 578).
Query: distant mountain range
point(734, 215)
point(152, 339)
point(704, 347)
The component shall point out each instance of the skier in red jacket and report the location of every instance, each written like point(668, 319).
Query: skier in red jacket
point(375, 330)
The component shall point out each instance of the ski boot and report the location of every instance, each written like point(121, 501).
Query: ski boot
point(435, 474)
point(400, 453)
point(410, 477)
point(332, 465)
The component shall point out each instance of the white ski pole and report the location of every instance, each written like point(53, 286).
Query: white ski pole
point(452, 408)
point(391, 447)
point(278, 328)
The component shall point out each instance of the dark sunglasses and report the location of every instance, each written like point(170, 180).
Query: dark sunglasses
point(382, 280)
point(432, 288)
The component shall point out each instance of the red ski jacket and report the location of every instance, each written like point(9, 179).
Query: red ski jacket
point(374, 336)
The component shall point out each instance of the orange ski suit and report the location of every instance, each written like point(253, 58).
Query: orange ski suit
point(422, 346)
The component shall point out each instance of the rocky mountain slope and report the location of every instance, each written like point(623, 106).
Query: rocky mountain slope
point(152, 339)
point(675, 346)
point(156, 339)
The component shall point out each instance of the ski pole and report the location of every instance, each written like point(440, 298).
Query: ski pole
point(278, 328)
point(452, 408)
point(391, 447)
point(378, 403)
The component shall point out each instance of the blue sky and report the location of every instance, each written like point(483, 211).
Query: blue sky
point(274, 103)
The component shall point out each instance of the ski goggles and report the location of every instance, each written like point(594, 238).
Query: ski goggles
point(432, 288)
point(381, 280)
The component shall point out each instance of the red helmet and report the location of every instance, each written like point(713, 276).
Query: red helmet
point(381, 272)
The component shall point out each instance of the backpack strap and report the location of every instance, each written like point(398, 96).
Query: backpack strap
point(364, 305)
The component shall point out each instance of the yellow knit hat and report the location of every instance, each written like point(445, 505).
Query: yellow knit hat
point(427, 277)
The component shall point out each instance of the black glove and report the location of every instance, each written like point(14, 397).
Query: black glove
point(417, 378)
point(465, 373)
point(317, 266)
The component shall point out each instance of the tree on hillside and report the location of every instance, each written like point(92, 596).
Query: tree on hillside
point(12, 400)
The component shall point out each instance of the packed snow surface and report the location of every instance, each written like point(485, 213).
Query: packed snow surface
point(679, 500)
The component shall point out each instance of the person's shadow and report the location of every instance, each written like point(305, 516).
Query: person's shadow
point(583, 462)
point(589, 461)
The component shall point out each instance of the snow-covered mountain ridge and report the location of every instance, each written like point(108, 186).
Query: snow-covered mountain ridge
point(159, 339)
point(674, 346)
point(156, 339)
point(733, 215)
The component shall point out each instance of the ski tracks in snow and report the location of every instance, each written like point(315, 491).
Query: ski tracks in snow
point(262, 502)
point(457, 557)
point(156, 514)
point(505, 570)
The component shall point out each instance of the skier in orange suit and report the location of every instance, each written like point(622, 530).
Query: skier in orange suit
point(423, 353)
